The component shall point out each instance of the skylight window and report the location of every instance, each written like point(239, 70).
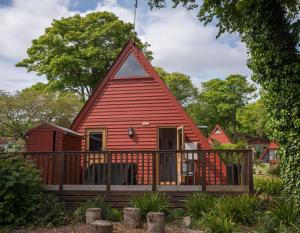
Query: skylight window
point(131, 68)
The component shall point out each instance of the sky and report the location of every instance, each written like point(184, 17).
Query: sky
point(179, 41)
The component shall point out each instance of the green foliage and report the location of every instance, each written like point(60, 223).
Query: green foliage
point(242, 209)
point(21, 111)
point(274, 170)
point(181, 86)
point(219, 101)
point(230, 146)
point(74, 53)
point(283, 216)
point(215, 222)
point(270, 30)
point(198, 204)
point(252, 119)
point(114, 215)
point(268, 186)
point(175, 214)
point(79, 213)
point(150, 202)
point(23, 201)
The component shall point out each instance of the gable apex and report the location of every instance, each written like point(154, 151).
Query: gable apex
point(110, 80)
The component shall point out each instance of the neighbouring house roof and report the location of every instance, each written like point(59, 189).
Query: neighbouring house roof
point(56, 127)
point(272, 146)
point(219, 134)
point(119, 70)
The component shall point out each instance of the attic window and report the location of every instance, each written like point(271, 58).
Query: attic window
point(217, 131)
point(131, 68)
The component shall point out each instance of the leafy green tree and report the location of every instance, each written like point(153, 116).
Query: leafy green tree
point(180, 85)
point(270, 30)
point(76, 52)
point(24, 110)
point(252, 119)
point(225, 98)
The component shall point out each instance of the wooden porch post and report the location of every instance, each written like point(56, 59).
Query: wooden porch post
point(62, 171)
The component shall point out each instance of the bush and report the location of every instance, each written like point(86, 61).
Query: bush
point(216, 222)
point(283, 216)
point(153, 202)
point(176, 214)
point(242, 209)
point(198, 204)
point(114, 215)
point(79, 213)
point(274, 170)
point(269, 187)
point(23, 201)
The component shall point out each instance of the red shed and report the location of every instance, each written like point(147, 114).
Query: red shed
point(219, 135)
point(49, 137)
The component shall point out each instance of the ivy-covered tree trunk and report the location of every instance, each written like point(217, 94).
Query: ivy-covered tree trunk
point(275, 62)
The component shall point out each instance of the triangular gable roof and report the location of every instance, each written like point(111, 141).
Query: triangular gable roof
point(223, 138)
point(56, 127)
point(130, 47)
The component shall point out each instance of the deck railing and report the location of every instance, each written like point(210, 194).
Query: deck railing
point(203, 170)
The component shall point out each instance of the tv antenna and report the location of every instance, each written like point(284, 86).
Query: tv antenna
point(134, 19)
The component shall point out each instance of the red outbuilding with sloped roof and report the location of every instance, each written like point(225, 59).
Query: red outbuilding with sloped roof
point(218, 135)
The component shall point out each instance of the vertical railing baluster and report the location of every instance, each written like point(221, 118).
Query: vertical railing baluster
point(94, 170)
point(193, 157)
point(62, 168)
point(215, 168)
point(109, 157)
point(131, 170)
point(203, 183)
point(126, 170)
point(154, 171)
point(238, 168)
point(221, 164)
point(143, 169)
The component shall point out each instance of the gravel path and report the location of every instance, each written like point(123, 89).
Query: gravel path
point(81, 228)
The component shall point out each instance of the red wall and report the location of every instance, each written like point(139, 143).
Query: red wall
point(127, 102)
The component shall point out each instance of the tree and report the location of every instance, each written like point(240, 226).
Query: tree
point(180, 85)
point(75, 52)
point(225, 98)
point(21, 111)
point(252, 119)
point(270, 30)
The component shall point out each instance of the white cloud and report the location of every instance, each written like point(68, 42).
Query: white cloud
point(178, 40)
point(113, 6)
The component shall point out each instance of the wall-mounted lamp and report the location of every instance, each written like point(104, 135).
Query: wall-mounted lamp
point(131, 132)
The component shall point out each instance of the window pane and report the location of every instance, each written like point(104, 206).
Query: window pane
point(95, 141)
point(131, 68)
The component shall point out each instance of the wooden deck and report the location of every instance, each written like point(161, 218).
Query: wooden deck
point(78, 176)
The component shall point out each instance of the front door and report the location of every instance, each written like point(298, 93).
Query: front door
point(170, 140)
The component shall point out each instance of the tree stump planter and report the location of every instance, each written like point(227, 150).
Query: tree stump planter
point(155, 222)
point(101, 226)
point(132, 217)
point(92, 214)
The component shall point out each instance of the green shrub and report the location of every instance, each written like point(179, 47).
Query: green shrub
point(242, 209)
point(23, 201)
point(79, 213)
point(216, 222)
point(176, 214)
point(114, 215)
point(198, 204)
point(282, 216)
point(269, 187)
point(274, 170)
point(153, 202)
